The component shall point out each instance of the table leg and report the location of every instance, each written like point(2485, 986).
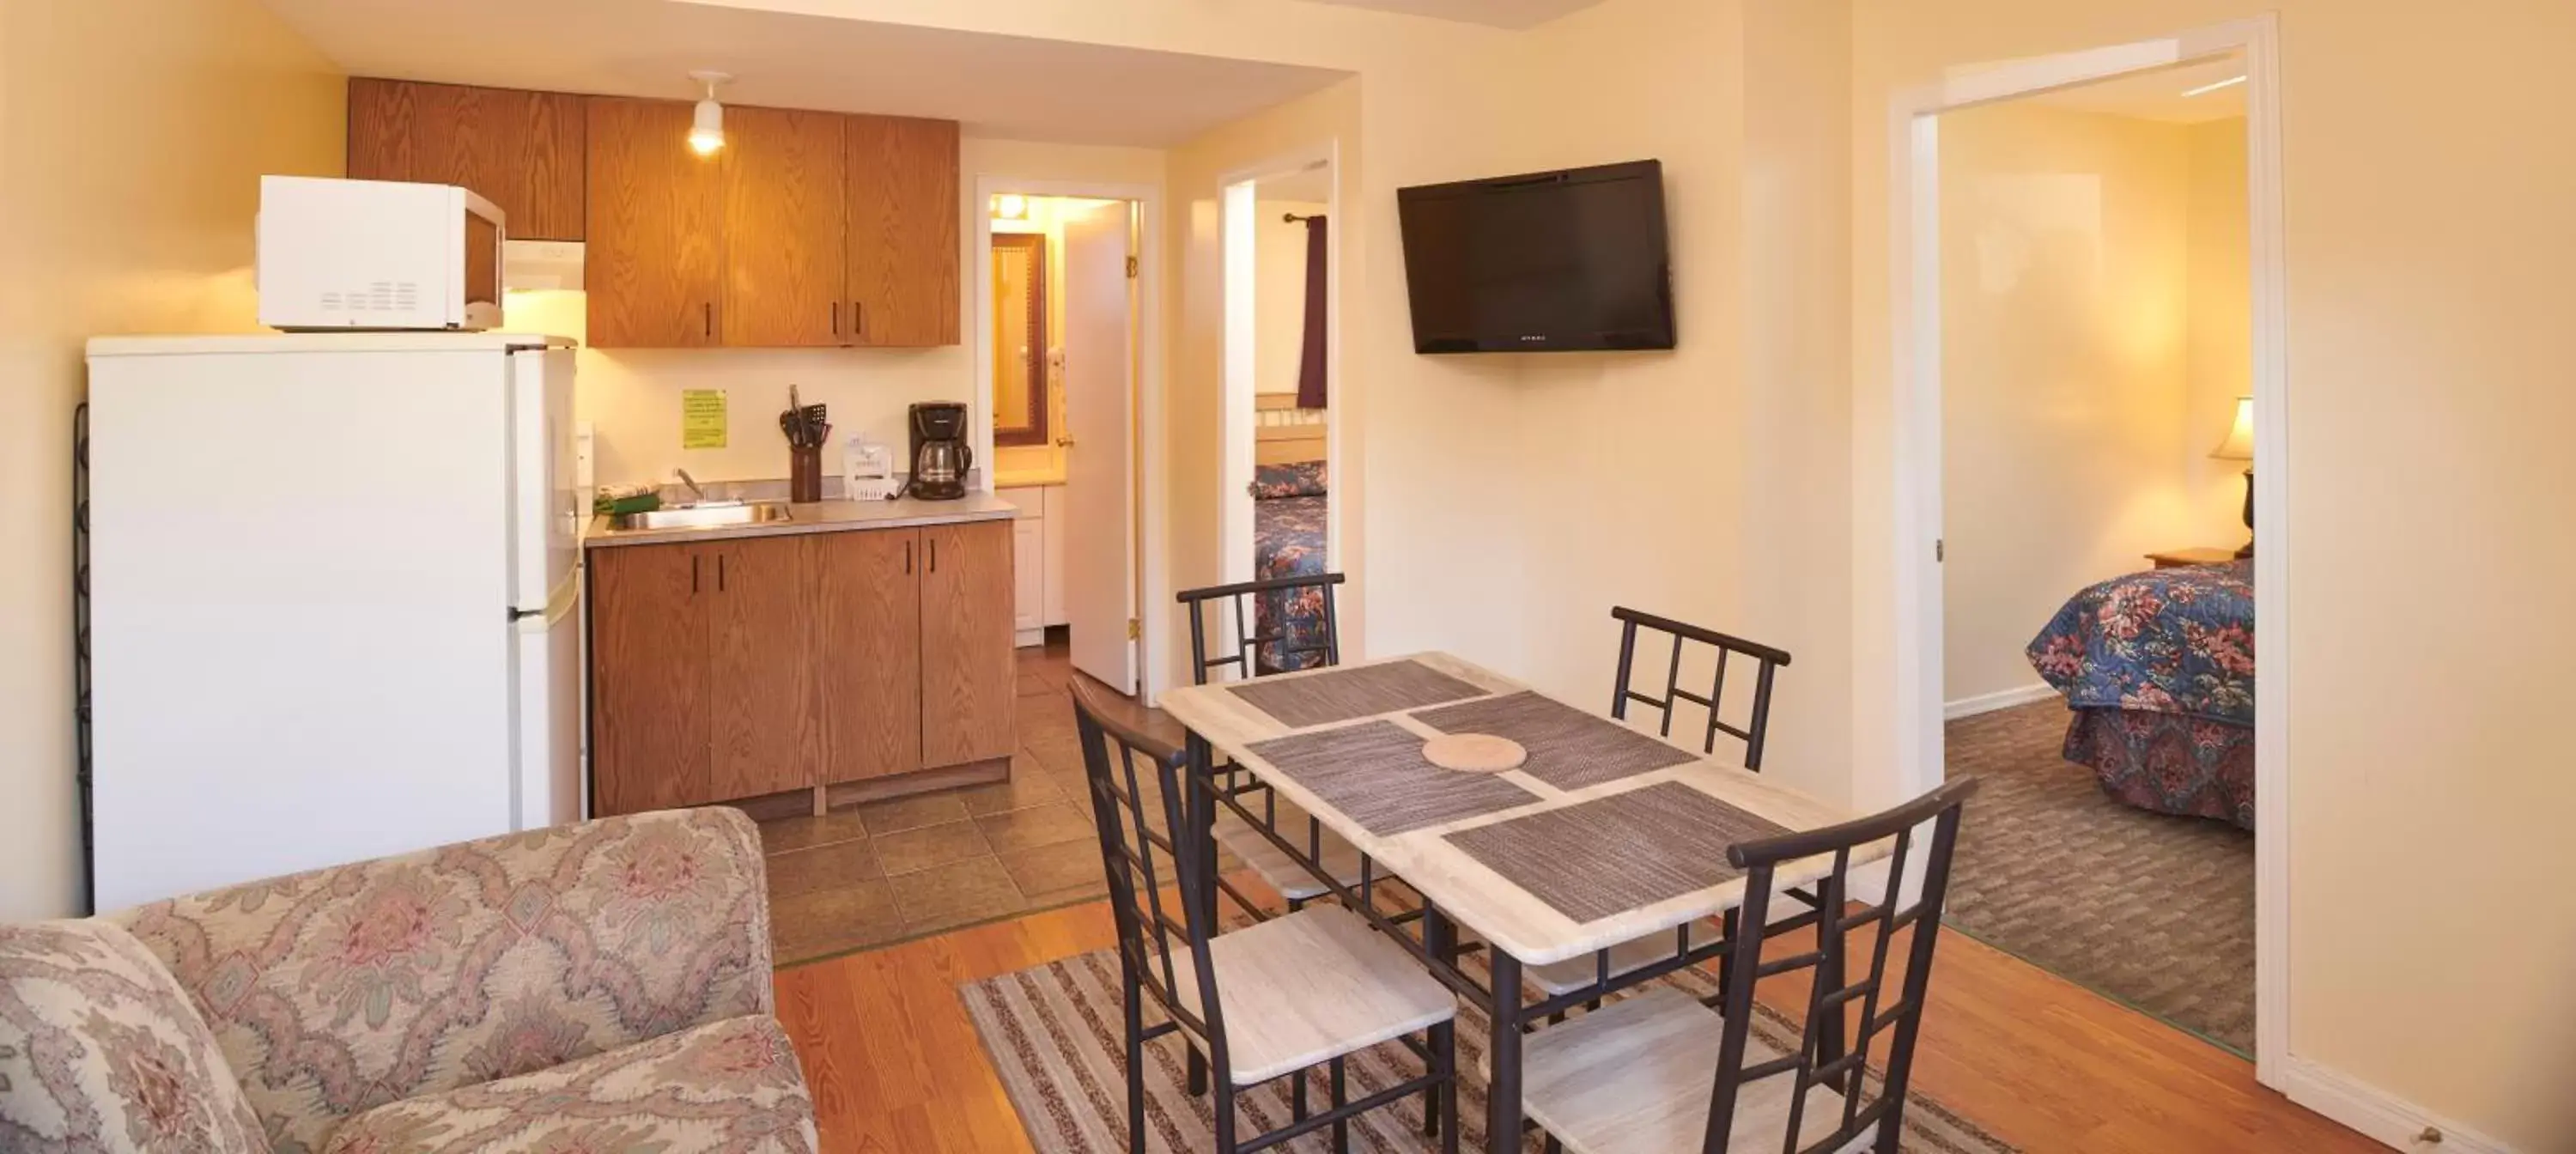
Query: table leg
point(1441, 942)
point(1829, 1021)
point(1503, 1054)
point(1199, 810)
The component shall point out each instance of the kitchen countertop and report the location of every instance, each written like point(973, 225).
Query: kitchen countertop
point(820, 517)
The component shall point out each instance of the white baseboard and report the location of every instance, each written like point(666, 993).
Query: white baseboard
point(1999, 699)
point(1026, 638)
point(2377, 1114)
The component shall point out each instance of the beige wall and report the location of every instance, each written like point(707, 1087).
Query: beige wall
point(2426, 246)
point(2066, 443)
point(632, 396)
point(1279, 295)
point(132, 137)
point(2218, 326)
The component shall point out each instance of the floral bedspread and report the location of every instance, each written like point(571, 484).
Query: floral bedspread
point(1288, 541)
point(2164, 641)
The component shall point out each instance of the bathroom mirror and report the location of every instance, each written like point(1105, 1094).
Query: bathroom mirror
point(1019, 339)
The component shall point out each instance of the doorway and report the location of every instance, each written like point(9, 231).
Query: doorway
point(1940, 494)
point(2097, 622)
point(1281, 361)
point(1060, 321)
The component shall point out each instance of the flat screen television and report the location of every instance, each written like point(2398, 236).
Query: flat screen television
point(1542, 262)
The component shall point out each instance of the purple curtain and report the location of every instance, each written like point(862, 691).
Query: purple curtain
point(1310, 368)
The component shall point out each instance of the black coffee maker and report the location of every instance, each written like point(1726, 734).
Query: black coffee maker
point(940, 455)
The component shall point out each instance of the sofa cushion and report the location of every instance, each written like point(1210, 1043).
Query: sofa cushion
point(340, 990)
point(732, 1086)
point(100, 1050)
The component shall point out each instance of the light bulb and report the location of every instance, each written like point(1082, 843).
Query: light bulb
point(706, 130)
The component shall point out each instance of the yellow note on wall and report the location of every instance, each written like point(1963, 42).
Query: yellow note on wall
point(702, 418)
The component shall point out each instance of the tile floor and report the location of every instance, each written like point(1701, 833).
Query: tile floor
point(886, 871)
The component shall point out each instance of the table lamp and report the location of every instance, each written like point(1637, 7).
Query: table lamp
point(2239, 446)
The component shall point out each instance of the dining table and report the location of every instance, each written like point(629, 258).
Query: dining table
point(1602, 834)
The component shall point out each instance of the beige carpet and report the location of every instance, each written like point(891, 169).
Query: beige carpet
point(2152, 910)
point(1054, 1033)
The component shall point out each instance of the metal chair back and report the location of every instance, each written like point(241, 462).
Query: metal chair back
point(1767, 663)
point(1821, 1057)
point(1262, 644)
point(1153, 817)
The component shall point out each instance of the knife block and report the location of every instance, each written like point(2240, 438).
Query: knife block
point(804, 474)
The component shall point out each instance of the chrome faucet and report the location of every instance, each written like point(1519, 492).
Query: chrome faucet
point(692, 483)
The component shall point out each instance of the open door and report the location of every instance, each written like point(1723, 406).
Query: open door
point(1100, 544)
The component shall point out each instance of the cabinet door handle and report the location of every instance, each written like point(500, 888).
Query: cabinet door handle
point(693, 575)
point(934, 554)
point(907, 557)
point(720, 572)
point(836, 318)
point(858, 319)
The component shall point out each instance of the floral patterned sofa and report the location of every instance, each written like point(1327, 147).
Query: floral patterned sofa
point(599, 987)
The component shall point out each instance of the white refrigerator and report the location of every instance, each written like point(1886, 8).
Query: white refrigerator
point(335, 595)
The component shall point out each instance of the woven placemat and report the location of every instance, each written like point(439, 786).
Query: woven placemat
point(1375, 773)
point(1343, 694)
point(1568, 748)
point(1617, 853)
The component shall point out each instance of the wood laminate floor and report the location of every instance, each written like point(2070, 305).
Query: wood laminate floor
point(2038, 1061)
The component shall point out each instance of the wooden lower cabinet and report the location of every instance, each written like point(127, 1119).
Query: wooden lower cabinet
point(867, 634)
point(760, 671)
point(745, 667)
point(648, 679)
point(968, 685)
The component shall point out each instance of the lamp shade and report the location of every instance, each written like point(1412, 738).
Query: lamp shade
point(2239, 445)
point(706, 127)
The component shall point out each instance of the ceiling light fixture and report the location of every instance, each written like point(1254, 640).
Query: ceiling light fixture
point(2206, 89)
point(706, 128)
point(1011, 206)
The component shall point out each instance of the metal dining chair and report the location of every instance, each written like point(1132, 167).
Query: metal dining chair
point(1274, 999)
point(1254, 654)
point(1578, 973)
point(1661, 1072)
point(1767, 663)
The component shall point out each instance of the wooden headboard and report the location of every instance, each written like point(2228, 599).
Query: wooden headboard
point(1282, 433)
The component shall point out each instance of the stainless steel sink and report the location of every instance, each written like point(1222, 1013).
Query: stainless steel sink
point(710, 515)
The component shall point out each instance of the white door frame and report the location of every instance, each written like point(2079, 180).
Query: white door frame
point(1236, 419)
point(1915, 309)
point(1149, 576)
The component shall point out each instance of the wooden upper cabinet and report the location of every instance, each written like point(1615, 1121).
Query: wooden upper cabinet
point(867, 639)
point(968, 682)
point(649, 690)
point(903, 230)
point(760, 683)
point(655, 261)
point(520, 150)
point(783, 245)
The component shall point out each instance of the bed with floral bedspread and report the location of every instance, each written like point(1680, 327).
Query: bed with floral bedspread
point(2158, 668)
point(1288, 541)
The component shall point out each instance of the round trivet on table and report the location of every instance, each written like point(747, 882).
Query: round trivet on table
point(1474, 752)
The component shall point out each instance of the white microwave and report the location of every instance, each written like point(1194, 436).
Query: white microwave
point(377, 254)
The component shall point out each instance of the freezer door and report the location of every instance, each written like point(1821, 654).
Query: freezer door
point(546, 509)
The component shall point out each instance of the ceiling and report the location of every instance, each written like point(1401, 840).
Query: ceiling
point(999, 86)
point(1499, 13)
point(2158, 94)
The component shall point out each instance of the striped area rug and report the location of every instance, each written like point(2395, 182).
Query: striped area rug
point(1054, 1033)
